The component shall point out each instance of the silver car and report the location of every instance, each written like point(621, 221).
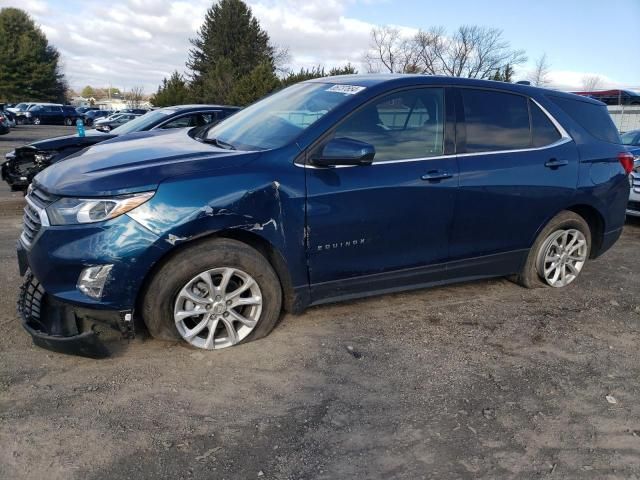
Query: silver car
point(632, 141)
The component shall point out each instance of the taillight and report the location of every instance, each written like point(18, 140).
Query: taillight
point(626, 160)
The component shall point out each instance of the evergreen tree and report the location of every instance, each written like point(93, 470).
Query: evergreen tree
point(316, 72)
point(173, 91)
point(348, 69)
point(229, 45)
point(260, 82)
point(29, 68)
point(508, 73)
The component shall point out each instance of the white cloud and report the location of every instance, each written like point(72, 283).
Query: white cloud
point(138, 42)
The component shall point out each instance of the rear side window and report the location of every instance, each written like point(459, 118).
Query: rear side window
point(594, 118)
point(543, 131)
point(495, 120)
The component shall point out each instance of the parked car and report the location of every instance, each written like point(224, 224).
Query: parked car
point(83, 110)
point(5, 126)
point(91, 116)
point(330, 189)
point(632, 140)
point(9, 116)
point(614, 97)
point(138, 111)
point(114, 121)
point(24, 163)
point(51, 113)
point(20, 111)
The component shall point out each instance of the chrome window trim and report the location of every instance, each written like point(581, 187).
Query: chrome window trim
point(564, 138)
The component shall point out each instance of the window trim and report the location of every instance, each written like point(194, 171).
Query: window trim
point(452, 93)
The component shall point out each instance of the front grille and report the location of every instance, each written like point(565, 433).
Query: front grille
point(635, 182)
point(37, 200)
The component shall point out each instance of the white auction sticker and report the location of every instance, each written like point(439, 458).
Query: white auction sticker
point(346, 89)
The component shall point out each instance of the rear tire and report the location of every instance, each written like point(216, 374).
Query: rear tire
point(547, 252)
point(36, 121)
point(68, 122)
point(197, 273)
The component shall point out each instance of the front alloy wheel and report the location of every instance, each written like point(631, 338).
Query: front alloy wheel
point(562, 257)
point(218, 308)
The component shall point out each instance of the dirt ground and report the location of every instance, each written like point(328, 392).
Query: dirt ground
point(479, 380)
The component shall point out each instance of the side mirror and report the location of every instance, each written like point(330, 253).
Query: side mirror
point(345, 151)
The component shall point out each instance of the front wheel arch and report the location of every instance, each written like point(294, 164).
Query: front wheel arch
point(290, 301)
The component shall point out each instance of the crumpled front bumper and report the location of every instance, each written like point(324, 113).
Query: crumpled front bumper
point(65, 328)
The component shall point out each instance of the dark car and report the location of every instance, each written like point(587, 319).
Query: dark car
point(20, 110)
point(331, 189)
point(4, 123)
point(24, 163)
point(137, 111)
point(91, 116)
point(613, 97)
point(114, 121)
point(83, 110)
point(50, 113)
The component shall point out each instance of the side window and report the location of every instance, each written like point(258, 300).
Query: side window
point(594, 118)
point(495, 120)
point(403, 125)
point(543, 131)
point(182, 122)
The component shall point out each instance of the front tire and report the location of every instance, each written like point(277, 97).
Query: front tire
point(214, 294)
point(558, 254)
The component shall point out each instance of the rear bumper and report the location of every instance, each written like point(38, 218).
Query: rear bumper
point(65, 328)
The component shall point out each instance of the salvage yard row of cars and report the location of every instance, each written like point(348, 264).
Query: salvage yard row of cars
point(331, 189)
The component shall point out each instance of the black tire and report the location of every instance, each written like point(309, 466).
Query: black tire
point(20, 121)
point(530, 276)
point(161, 291)
point(68, 122)
point(36, 121)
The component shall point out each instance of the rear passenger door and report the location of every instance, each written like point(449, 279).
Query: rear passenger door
point(518, 168)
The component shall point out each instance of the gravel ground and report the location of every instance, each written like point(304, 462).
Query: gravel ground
point(478, 380)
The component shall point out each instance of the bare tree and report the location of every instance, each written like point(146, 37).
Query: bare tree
point(539, 77)
point(390, 52)
point(135, 97)
point(472, 51)
point(281, 59)
point(591, 83)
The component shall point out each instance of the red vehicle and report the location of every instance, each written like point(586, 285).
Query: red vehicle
point(614, 97)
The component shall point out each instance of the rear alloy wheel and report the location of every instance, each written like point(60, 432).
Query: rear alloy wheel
point(68, 122)
point(562, 257)
point(36, 120)
point(215, 294)
point(559, 253)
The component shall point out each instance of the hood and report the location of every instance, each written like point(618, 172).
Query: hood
point(92, 137)
point(136, 163)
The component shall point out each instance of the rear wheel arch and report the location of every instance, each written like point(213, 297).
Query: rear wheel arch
point(595, 220)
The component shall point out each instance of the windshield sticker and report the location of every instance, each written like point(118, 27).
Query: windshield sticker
point(346, 89)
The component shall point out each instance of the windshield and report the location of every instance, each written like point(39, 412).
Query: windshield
point(278, 119)
point(629, 138)
point(143, 122)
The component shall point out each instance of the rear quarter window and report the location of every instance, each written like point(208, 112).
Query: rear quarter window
point(594, 118)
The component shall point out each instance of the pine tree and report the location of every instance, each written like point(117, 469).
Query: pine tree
point(260, 82)
point(29, 68)
point(173, 91)
point(230, 44)
point(508, 73)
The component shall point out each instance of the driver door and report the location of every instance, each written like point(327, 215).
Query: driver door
point(388, 223)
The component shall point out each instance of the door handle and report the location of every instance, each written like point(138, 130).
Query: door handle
point(436, 175)
point(555, 163)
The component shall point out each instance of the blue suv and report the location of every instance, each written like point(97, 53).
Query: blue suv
point(331, 189)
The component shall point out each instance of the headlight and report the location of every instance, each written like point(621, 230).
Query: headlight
point(28, 114)
point(72, 211)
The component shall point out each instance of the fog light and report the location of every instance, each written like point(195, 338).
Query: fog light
point(92, 279)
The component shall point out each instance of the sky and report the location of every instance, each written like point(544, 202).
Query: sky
point(129, 43)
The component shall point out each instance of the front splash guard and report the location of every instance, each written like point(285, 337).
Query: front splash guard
point(64, 328)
